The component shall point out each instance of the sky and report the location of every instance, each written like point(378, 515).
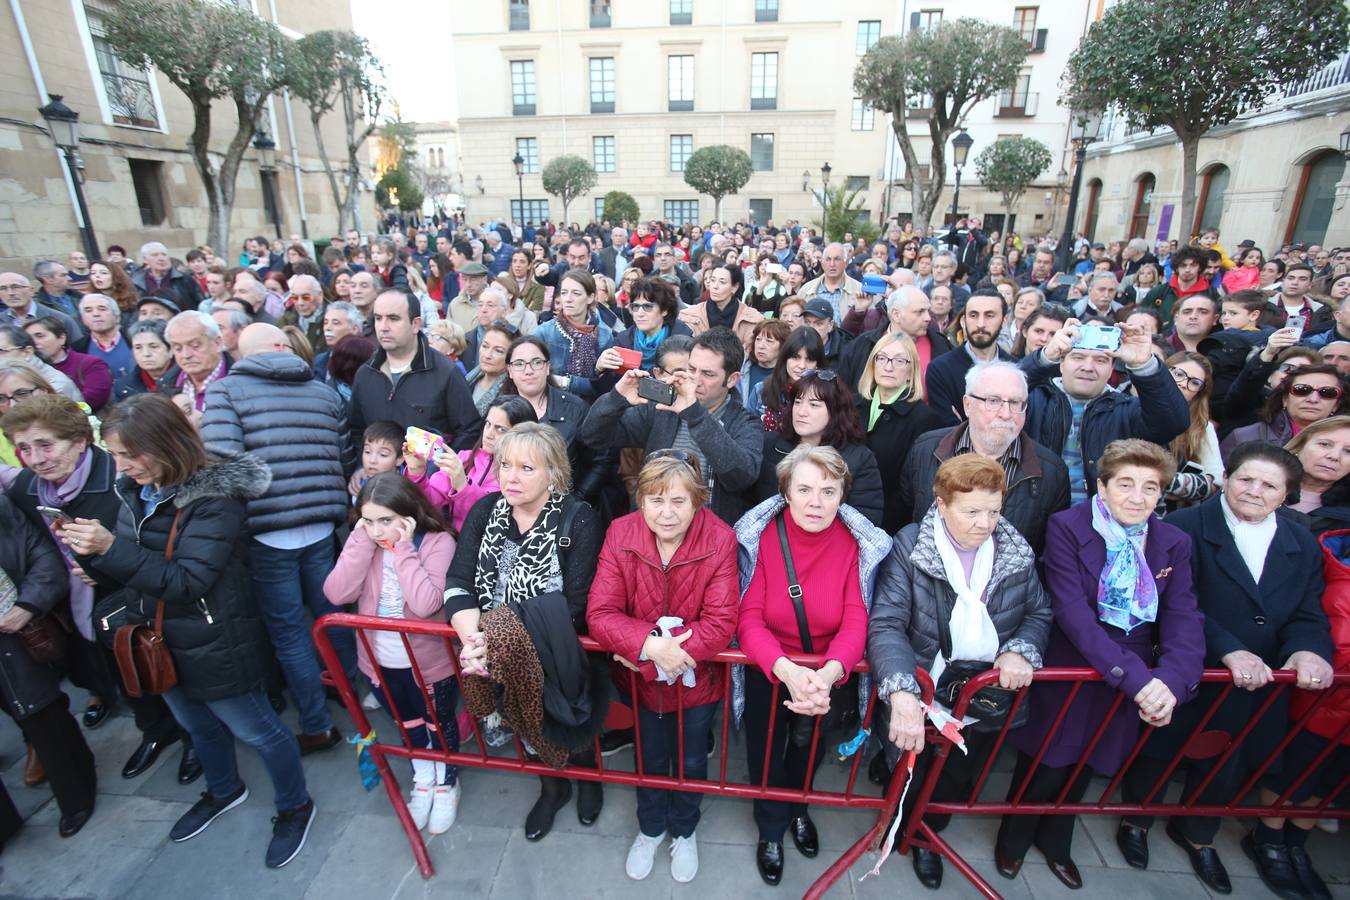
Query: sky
point(412, 38)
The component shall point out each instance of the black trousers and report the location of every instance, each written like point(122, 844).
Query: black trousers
point(957, 778)
point(1052, 834)
point(10, 820)
point(788, 762)
point(60, 746)
point(1199, 830)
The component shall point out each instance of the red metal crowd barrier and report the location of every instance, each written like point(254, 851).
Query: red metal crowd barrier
point(717, 783)
point(1199, 744)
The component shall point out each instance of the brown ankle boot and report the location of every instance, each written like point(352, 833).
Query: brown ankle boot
point(33, 773)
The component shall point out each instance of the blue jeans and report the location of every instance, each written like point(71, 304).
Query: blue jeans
point(214, 725)
point(284, 583)
point(660, 810)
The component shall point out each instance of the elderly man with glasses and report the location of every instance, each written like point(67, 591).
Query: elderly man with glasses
point(19, 307)
point(306, 310)
point(995, 406)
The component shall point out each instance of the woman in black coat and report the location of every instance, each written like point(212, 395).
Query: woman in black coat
point(820, 412)
point(1258, 580)
point(172, 493)
point(32, 585)
point(66, 471)
point(892, 412)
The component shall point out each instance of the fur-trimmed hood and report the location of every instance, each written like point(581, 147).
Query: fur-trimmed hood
point(242, 477)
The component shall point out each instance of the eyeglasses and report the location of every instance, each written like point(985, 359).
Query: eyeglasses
point(1326, 393)
point(534, 365)
point(819, 375)
point(994, 404)
point(506, 326)
point(21, 394)
point(1184, 380)
point(893, 362)
point(641, 307)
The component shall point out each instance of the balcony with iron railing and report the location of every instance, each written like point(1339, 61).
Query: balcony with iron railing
point(1017, 104)
point(1332, 75)
point(130, 100)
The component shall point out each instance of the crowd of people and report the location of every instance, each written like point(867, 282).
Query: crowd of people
point(933, 450)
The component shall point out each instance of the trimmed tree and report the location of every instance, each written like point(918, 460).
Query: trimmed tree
point(338, 69)
point(1191, 68)
point(567, 178)
point(717, 170)
point(619, 207)
point(1010, 164)
point(946, 71)
point(210, 51)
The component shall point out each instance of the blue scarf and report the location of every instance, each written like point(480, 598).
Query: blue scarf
point(648, 345)
point(1127, 596)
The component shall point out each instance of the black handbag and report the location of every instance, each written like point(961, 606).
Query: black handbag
point(990, 705)
point(802, 726)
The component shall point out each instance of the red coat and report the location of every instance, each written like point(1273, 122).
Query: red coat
point(649, 241)
point(1332, 715)
point(632, 590)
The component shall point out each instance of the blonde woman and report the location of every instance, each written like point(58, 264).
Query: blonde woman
point(416, 284)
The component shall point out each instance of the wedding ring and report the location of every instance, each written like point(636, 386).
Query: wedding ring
point(75, 541)
point(1246, 677)
point(1317, 681)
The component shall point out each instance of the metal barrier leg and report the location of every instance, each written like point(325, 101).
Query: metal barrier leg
point(944, 849)
point(873, 835)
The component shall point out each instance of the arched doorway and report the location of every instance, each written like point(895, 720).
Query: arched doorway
point(1143, 201)
point(1092, 209)
point(1315, 198)
point(1209, 206)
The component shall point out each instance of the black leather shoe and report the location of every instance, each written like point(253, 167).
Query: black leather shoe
point(1067, 873)
point(1313, 885)
point(590, 800)
point(71, 824)
point(144, 757)
point(1274, 866)
point(1133, 843)
point(95, 714)
point(803, 832)
point(769, 860)
point(317, 743)
point(877, 770)
point(1204, 860)
point(1007, 866)
point(927, 866)
point(553, 796)
point(189, 766)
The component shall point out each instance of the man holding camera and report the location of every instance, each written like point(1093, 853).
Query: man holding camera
point(1075, 412)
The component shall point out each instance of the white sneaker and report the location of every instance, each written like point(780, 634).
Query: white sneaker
point(684, 859)
point(642, 855)
point(1330, 826)
point(444, 808)
point(370, 701)
point(419, 804)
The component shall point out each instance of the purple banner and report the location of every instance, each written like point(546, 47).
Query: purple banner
point(1165, 220)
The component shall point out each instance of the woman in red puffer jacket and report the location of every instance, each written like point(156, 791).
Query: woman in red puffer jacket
point(664, 601)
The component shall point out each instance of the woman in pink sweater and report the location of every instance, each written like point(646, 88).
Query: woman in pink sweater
point(461, 479)
point(393, 565)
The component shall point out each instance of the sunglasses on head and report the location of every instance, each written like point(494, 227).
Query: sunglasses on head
point(819, 374)
point(1326, 393)
point(506, 326)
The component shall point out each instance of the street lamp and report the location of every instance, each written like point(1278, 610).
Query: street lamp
point(519, 163)
point(1345, 143)
point(806, 180)
point(63, 123)
point(1085, 126)
point(961, 145)
point(267, 164)
point(825, 171)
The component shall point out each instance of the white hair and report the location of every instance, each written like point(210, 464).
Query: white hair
point(97, 296)
point(1102, 276)
point(150, 246)
point(494, 288)
point(899, 299)
point(353, 315)
point(979, 370)
point(194, 317)
point(944, 254)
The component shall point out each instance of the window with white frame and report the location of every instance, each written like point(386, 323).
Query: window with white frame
point(862, 115)
point(131, 101)
point(681, 12)
point(522, 87)
point(602, 154)
point(599, 209)
point(681, 148)
point(680, 83)
point(681, 212)
point(868, 34)
point(602, 84)
point(528, 150)
point(533, 211)
point(764, 81)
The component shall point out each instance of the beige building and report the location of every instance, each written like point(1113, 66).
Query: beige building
point(437, 145)
point(1275, 175)
point(637, 87)
point(138, 176)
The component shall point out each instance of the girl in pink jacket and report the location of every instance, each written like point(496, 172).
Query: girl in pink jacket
point(461, 479)
point(393, 565)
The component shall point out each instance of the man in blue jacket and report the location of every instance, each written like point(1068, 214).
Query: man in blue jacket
point(1075, 412)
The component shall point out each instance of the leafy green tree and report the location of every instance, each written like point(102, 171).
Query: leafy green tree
point(620, 207)
point(567, 178)
point(210, 51)
point(944, 70)
point(338, 69)
point(842, 212)
point(1193, 67)
point(1010, 164)
point(717, 170)
point(402, 182)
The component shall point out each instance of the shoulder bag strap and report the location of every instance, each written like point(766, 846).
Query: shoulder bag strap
point(943, 624)
point(168, 554)
point(794, 589)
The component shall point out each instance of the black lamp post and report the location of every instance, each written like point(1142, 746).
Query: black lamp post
point(1085, 127)
point(961, 145)
point(519, 162)
point(1345, 143)
point(267, 165)
point(825, 171)
point(64, 125)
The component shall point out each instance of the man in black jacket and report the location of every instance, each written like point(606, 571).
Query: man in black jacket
point(408, 382)
point(982, 320)
point(995, 404)
point(157, 278)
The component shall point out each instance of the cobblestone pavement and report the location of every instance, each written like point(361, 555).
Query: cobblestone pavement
point(357, 850)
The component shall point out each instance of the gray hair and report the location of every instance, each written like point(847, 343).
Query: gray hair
point(1044, 248)
point(194, 317)
point(944, 254)
point(237, 320)
point(295, 282)
point(1040, 294)
point(494, 288)
point(1103, 276)
point(491, 235)
point(95, 295)
point(150, 246)
point(477, 245)
point(147, 326)
point(354, 317)
point(45, 268)
point(899, 299)
point(979, 370)
point(1138, 245)
point(661, 244)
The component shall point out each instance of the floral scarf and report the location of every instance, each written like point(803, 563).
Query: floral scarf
point(1127, 595)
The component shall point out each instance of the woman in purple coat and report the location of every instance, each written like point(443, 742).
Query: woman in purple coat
point(1120, 586)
